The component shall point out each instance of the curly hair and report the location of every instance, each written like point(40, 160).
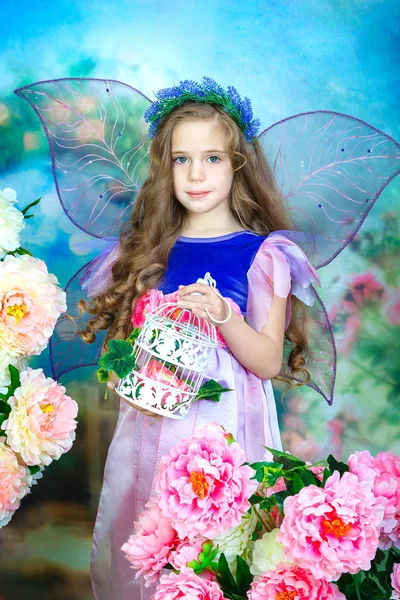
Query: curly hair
point(157, 220)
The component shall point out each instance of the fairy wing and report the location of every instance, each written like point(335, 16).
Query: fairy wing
point(100, 157)
point(98, 145)
point(331, 169)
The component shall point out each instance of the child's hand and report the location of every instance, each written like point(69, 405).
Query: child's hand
point(112, 384)
point(203, 296)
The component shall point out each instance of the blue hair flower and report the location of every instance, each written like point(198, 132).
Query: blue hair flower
point(208, 91)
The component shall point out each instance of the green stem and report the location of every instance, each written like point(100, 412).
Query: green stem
point(269, 525)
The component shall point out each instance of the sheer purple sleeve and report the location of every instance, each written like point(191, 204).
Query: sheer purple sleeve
point(281, 268)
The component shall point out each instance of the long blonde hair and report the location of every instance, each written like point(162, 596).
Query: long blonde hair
point(157, 220)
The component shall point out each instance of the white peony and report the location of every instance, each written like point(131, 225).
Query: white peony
point(41, 425)
point(267, 553)
point(236, 540)
point(12, 222)
point(30, 303)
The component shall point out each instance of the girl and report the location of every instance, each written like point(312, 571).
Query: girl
point(209, 204)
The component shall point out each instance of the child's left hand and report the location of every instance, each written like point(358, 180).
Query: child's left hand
point(198, 303)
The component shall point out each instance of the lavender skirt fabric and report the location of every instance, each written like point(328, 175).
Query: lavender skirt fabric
point(139, 442)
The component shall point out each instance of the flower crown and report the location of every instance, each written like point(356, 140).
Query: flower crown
point(207, 92)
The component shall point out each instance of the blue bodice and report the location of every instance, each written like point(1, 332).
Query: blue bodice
point(228, 259)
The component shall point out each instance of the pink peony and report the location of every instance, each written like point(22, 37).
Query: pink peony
point(185, 552)
point(15, 482)
point(203, 485)
point(332, 530)
point(290, 582)
point(41, 424)
point(383, 474)
point(395, 581)
point(30, 303)
point(187, 584)
point(148, 549)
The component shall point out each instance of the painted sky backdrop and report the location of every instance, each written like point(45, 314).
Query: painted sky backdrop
point(289, 57)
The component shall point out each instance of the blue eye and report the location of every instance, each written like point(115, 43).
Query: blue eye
point(178, 158)
point(217, 157)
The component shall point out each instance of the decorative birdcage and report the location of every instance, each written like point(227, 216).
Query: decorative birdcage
point(171, 354)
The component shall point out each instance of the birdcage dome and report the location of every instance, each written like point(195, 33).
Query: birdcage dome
point(171, 354)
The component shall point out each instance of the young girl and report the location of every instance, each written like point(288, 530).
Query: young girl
point(208, 205)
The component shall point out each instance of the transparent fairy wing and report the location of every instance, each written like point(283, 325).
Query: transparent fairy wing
point(331, 168)
point(98, 144)
point(67, 349)
point(322, 360)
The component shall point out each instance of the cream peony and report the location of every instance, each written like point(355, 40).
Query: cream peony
point(41, 424)
point(15, 481)
point(267, 553)
point(237, 540)
point(30, 303)
point(12, 222)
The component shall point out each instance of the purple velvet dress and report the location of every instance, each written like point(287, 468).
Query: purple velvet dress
point(250, 269)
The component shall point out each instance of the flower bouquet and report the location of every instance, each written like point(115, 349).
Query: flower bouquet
point(281, 529)
point(37, 418)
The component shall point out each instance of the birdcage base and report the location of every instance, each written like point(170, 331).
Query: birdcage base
point(143, 392)
point(158, 411)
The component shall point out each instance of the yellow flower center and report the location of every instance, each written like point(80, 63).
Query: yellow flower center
point(46, 408)
point(336, 527)
point(199, 484)
point(17, 311)
point(286, 595)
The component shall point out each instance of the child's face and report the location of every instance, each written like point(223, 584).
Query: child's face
point(196, 169)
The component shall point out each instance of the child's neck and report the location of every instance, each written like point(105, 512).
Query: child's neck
point(207, 225)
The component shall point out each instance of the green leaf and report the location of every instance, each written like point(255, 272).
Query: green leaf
point(103, 375)
point(34, 203)
point(21, 251)
point(118, 358)
point(133, 336)
point(267, 504)
point(255, 499)
point(225, 576)
point(288, 460)
point(243, 575)
point(335, 465)
point(295, 484)
point(15, 379)
point(34, 470)
point(211, 390)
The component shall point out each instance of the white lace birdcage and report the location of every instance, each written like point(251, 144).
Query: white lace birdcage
point(172, 353)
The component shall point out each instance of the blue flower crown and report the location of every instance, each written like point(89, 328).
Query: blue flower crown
point(208, 91)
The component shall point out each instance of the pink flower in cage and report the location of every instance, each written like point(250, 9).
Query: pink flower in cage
point(332, 530)
point(187, 584)
point(395, 581)
point(203, 485)
point(291, 582)
point(383, 475)
point(157, 371)
point(146, 303)
point(149, 548)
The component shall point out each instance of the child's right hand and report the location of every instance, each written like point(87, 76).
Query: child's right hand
point(112, 384)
